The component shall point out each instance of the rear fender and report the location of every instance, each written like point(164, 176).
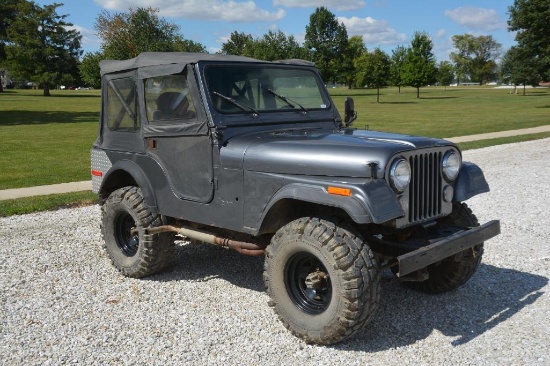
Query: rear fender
point(124, 173)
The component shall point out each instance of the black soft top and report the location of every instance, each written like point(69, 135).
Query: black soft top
point(182, 58)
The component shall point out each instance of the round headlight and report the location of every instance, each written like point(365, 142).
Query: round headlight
point(400, 175)
point(451, 165)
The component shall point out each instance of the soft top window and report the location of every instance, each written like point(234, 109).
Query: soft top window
point(262, 88)
point(167, 98)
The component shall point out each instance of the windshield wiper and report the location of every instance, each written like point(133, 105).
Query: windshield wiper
point(242, 107)
point(288, 101)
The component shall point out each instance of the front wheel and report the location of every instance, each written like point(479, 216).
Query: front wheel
point(322, 278)
point(454, 271)
point(134, 254)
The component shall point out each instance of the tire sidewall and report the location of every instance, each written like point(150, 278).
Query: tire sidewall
point(285, 307)
point(127, 264)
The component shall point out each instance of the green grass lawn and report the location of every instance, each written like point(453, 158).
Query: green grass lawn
point(47, 140)
point(456, 111)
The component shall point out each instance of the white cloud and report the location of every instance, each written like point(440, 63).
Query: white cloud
point(336, 4)
point(90, 41)
point(374, 32)
point(476, 18)
point(228, 10)
point(441, 33)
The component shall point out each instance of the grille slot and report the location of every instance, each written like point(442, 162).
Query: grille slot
point(425, 186)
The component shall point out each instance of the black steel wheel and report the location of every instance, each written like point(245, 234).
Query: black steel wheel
point(322, 279)
point(127, 241)
point(124, 215)
point(308, 283)
point(454, 271)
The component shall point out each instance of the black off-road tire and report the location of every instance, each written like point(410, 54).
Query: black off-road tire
point(455, 271)
point(344, 302)
point(134, 255)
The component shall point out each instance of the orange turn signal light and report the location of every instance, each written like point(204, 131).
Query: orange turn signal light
point(97, 173)
point(339, 191)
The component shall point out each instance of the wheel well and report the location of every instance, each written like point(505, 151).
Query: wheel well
point(287, 210)
point(115, 180)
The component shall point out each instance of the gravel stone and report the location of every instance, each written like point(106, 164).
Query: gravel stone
point(62, 302)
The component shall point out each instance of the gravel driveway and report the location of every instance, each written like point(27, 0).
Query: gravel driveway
point(63, 302)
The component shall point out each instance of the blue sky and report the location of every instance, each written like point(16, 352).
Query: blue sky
point(382, 23)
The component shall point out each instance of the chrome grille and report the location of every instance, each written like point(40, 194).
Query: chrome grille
point(425, 187)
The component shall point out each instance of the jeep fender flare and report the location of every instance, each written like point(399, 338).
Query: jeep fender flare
point(470, 182)
point(112, 180)
point(373, 202)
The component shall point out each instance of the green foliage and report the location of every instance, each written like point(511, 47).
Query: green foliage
point(356, 48)
point(89, 69)
point(277, 46)
point(373, 70)
point(396, 66)
point(41, 46)
point(530, 19)
point(239, 44)
point(476, 57)
point(419, 66)
point(126, 35)
point(327, 40)
point(518, 68)
point(445, 73)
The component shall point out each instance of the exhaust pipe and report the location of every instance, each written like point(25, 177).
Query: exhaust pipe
point(245, 248)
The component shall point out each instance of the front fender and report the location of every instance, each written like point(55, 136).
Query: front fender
point(372, 202)
point(470, 182)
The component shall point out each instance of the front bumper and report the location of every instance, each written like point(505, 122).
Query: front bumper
point(441, 248)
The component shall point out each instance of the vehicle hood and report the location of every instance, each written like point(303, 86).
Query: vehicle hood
point(319, 153)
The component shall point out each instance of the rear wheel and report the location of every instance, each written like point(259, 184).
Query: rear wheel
point(322, 279)
point(134, 254)
point(454, 271)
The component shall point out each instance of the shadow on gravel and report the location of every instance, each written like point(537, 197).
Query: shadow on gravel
point(405, 316)
point(203, 262)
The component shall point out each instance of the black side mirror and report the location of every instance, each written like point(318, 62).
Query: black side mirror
point(351, 114)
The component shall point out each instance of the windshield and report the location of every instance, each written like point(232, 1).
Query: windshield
point(264, 88)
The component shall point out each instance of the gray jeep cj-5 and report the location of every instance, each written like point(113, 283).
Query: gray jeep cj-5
point(253, 156)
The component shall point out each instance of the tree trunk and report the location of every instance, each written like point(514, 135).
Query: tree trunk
point(523, 89)
point(399, 88)
point(417, 92)
point(46, 90)
point(378, 95)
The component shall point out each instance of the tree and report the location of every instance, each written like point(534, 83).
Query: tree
point(89, 69)
point(445, 73)
point(356, 48)
point(476, 57)
point(8, 12)
point(518, 69)
point(396, 66)
point(239, 44)
point(327, 40)
point(529, 18)
point(373, 70)
point(41, 46)
point(277, 46)
point(419, 66)
point(126, 35)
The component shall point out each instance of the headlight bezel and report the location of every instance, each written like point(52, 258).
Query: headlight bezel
point(450, 165)
point(396, 182)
